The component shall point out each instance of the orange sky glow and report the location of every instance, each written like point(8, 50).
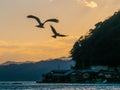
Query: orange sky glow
point(21, 41)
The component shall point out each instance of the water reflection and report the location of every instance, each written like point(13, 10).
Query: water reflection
point(56, 86)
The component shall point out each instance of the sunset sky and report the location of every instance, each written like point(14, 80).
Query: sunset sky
point(21, 41)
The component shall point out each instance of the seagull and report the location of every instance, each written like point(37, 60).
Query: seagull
point(56, 33)
point(40, 24)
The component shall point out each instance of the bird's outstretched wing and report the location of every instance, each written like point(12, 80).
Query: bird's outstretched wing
point(53, 30)
point(61, 35)
point(34, 17)
point(56, 33)
point(52, 20)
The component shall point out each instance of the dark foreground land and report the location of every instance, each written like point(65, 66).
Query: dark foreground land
point(82, 76)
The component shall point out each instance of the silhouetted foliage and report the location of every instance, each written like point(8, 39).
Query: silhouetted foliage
point(101, 46)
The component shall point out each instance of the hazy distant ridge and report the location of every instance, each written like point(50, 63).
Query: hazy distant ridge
point(31, 71)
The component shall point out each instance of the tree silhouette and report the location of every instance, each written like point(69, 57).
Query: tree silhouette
point(101, 46)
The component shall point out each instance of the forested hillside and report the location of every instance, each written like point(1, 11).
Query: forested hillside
point(101, 45)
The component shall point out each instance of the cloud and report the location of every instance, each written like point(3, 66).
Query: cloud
point(35, 51)
point(90, 4)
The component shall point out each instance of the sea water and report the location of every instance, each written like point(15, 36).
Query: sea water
point(55, 86)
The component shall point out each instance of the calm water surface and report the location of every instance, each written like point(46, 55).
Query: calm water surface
point(56, 86)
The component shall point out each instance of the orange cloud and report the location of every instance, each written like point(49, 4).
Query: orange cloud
point(13, 51)
point(90, 4)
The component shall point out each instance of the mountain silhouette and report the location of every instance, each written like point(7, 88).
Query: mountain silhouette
point(30, 71)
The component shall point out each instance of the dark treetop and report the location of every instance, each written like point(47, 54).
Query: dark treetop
point(101, 45)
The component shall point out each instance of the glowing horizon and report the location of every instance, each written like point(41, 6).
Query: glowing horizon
point(21, 41)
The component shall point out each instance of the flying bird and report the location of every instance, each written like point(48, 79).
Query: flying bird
point(56, 33)
point(40, 24)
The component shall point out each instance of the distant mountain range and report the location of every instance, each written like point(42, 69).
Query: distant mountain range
point(13, 62)
point(30, 71)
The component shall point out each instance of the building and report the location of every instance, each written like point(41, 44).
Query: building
point(99, 74)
